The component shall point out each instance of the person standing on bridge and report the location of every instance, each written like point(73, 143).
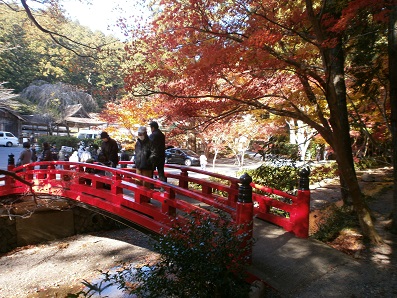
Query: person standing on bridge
point(45, 156)
point(124, 157)
point(26, 155)
point(158, 140)
point(145, 155)
point(110, 150)
point(33, 151)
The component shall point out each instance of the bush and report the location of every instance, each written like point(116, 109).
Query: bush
point(324, 171)
point(203, 257)
point(371, 162)
point(59, 141)
point(286, 178)
point(283, 178)
point(337, 220)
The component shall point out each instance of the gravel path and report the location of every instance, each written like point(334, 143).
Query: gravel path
point(57, 268)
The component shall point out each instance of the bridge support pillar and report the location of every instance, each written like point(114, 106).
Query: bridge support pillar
point(245, 211)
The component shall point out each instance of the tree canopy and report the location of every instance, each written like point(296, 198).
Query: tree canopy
point(28, 53)
point(297, 59)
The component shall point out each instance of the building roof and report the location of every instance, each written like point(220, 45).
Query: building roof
point(12, 112)
point(82, 122)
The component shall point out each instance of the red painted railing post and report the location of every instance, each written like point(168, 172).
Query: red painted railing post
point(232, 197)
point(245, 211)
point(183, 182)
point(116, 190)
point(53, 175)
point(165, 207)
point(301, 216)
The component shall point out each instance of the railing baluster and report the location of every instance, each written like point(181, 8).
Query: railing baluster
point(245, 210)
point(300, 219)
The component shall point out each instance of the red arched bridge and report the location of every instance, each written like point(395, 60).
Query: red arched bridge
point(119, 191)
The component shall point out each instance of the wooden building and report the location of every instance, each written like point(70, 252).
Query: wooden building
point(11, 121)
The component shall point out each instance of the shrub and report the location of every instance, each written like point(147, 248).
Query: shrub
point(59, 141)
point(324, 171)
point(336, 220)
point(283, 178)
point(286, 178)
point(203, 257)
point(371, 162)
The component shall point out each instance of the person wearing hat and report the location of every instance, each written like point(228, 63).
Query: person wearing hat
point(145, 155)
point(158, 139)
point(110, 150)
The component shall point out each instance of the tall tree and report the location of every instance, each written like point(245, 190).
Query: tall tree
point(392, 42)
point(30, 54)
point(285, 57)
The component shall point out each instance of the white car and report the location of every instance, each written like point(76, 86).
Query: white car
point(8, 139)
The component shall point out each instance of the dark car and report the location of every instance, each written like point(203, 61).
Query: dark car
point(182, 157)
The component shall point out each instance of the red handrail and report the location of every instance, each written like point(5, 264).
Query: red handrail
point(118, 191)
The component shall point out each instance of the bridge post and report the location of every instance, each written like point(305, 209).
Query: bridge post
point(51, 176)
point(116, 190)
point(232, 197)
point(10, 167)
point(11, 162)
point(301, 217)
point(245, 210)
point(29, 169)
point(183, 182)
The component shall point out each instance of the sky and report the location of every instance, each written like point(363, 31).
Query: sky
point(101, 15)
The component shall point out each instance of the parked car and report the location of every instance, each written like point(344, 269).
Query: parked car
point(8, 139)
point(88, 134)
point(182, 157)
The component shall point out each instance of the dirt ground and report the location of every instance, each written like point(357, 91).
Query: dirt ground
point(377, 186)
point(56, 268)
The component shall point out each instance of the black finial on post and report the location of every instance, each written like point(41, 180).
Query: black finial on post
point(245, 189)
point(11, 160)
point(304, 178)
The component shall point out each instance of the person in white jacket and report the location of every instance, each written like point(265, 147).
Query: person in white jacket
point(74, 157)
point(203, 161)
point(85, 155)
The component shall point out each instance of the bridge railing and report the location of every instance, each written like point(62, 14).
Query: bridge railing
point(290, 211)
point(121, 190)
point(117, 191)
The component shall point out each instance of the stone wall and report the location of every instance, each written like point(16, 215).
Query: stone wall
point(50, 225)
point(8, 234)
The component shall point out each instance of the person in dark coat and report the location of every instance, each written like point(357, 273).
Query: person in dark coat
point(34, 156)
point(145, 155)
point(124, 157)
point(109, 150)
point(158, 140)
point(45, 155)
point(54, 152)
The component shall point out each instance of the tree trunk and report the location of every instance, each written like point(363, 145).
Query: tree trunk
point(336, 97)
point(392, 49)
